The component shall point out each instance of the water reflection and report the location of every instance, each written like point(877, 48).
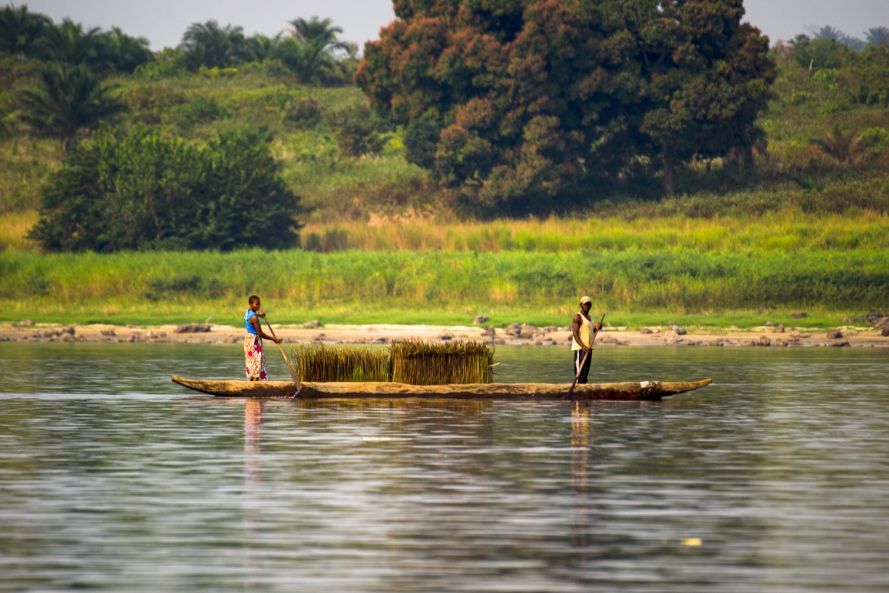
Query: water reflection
point(253, 409)
point(121, 481)
point(581, 434)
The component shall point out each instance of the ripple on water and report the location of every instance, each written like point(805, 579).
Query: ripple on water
point(772, 479)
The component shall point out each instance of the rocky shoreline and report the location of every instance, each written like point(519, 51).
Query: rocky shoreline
point(770, 335)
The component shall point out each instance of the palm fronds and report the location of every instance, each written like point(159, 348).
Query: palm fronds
point(845, 147)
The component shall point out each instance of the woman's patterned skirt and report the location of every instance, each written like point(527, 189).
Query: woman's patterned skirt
point(254, 359)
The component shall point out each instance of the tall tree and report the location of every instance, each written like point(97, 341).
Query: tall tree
point(829, 33)
point(311, 50)
point(209, 45)
point(20, 30)
point(70, 43)
point(67, 102)
point(503, 100)
point(320, 32)
point(261, 47)
point(704, 78)
point(877, 36)
point(121, 52)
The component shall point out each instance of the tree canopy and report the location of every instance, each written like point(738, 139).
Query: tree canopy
point(32, 35)
point(503, 100)
point(66, 102)
point(144, 191)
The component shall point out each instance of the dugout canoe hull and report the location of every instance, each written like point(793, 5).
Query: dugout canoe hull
point(633, 390)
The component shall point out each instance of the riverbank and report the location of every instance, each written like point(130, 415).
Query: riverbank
point(514, 335)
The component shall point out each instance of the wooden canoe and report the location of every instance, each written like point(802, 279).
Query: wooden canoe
point(634, 390)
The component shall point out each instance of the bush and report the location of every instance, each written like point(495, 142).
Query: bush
point(199, 110)
point(148, 103)
point(161, 68)
point(818, 54)
point(360, 132)
point(143, 191)
point(303, 113)
point(876, 138)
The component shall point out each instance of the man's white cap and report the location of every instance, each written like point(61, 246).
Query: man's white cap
point(585, 299)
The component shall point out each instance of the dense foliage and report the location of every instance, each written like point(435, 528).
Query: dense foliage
point(311, 51)
point(67, 101)
point(431, 286)
point(144, 191)
point(33, 35)
point(503, 100)
point(827, 127)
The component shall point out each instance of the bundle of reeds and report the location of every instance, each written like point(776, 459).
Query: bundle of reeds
point(317, 362)
point(429, 363)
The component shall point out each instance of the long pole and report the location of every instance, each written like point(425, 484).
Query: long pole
point(583, 362)
point(290, 369)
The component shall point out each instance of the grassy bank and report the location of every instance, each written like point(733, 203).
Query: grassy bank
point(789, 229)
point(669, 224)
point(638, 286)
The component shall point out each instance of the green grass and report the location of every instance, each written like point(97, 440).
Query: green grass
point(637, 286)
point(25, 165)
point(335, 186)
point(801, 233)
point(559, 315)
point(786, 230)
point(14, 227)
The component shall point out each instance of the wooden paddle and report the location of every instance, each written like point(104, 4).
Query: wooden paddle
point(583, 362)
point(290, 369)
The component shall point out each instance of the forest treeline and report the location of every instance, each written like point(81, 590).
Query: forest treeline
point(535, 106)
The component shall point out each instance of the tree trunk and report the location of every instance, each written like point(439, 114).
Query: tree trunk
point(669, 179)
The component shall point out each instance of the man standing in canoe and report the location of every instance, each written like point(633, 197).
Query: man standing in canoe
point(582, 331)
point(254, 358)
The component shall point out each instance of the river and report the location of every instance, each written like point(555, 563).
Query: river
point(773, 479)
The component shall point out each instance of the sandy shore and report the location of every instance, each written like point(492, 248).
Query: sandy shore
point(766, 336)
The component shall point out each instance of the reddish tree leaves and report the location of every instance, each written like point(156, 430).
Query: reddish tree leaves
point(506, 99)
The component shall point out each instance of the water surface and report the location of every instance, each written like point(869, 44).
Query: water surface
point(775, 478)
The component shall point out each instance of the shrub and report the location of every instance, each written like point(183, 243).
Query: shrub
point(303, 113)
point(143, 191)
point(819, 53)
point(360, 132)
point(875, 137)
point(198, 111)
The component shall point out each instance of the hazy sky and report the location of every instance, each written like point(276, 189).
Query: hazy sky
point(164, 21)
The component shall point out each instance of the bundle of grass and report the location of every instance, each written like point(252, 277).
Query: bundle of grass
point(425, 363)
point(318, 362)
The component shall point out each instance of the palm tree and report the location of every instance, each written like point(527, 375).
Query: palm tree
point(123, 53)
point(69, 43)
point(261, 47)
point(68, 101)
point(20, 30)
point(209, 45)
point(320, 32)
point(311, 50)
point(829, 33)
point(877, 36)
point(844, 147)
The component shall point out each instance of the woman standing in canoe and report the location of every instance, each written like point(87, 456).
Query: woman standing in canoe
point(254, 358)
